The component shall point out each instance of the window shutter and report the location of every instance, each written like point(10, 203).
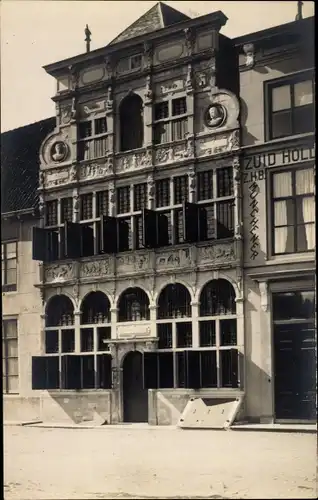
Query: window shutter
point(52, 372)
point(87, 241)
point(39, 244)
point(150, 370)
point(162, 230)
point(72, 240)
point(149, 228)
point(165, 370)
point(203, 224)
point(108, 234)
point(38, 372)
point(71, 372)
point(104, 371)
point(53, 245)
point(122, 235)
point(190, 222)
point(234, 368)
point(88, 372)
point(193, 369)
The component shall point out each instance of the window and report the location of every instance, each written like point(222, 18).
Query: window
point(59, 326)
point(291, 104)
point(66, 209)
point(52, 213)
point(133, 305)
point(293, 210)
point(86, 206)
point(9, 266)
point(131, 123)
point(10, 357)
point(171, 121)
point(92, 139)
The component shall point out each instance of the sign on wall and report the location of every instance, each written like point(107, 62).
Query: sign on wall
point(255, 165)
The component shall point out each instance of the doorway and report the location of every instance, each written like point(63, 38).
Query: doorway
point(135, 397)
point(295, 370)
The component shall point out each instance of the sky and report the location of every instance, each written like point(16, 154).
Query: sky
point(36, 33)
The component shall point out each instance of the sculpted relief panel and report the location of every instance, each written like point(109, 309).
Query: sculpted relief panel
point(217, 254)
point(97, 268)
point(58, 273)
point(132, 263)
point(181, 257)
point(220, 143)
point(175, 153)
point(133, 161)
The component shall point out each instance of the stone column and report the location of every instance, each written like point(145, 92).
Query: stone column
point(192, 184)
point(112, 199)
point(195, 324)
point(113, 322)
point(190, 101)
point(148, 101)
point(267, 380)
point(77, 327)
point(151, 191)
point(153, 319)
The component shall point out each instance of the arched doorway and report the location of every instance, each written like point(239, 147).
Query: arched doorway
point(135, 397)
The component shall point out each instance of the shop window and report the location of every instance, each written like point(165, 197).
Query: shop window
point(131, 123)
point(133, 305)
point(291, 106)
point(10, 356)
point(293, 211)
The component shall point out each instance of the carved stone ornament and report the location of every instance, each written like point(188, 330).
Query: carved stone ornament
point(263, 288)
point(95, 170)
point(192, 179)
point(95, 268)
point(189, 80)
point(74, 77)
point(151, 187)
point(66, 114)
point(109, 64)
point(59, 151)
point(133, 161)
point(178, 258)
point(41, 205)
point(91, 109)
point(148, 91)
point(250, 55)
point(58, 272)
point(217, 254)
point(109, 102)
point(133, 263)
point(201, 80)
point(147, 54)
point(189, 38)
point(215, 115)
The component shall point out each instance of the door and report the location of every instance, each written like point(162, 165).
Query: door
point(135, 397)
point(295, 371)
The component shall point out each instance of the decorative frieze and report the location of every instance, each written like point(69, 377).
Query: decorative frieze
point(96, 170)
point(175, 153)
point(56, 273)
point(177, 258)
point(216, 254)
point(136, 330)
point(133, 161)
point(54, 178)
point(220, 143)
point(132, 263)
point(96, 268)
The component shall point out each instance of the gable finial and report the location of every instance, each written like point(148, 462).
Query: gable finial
point(299, 11)
point(88, 38)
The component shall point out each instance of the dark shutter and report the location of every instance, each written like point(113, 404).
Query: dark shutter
point(38, 372)
point(52, 372)
point(203, 224)
point(149, 228)
point(193, 369)
point(39, 244)
point(45, 372)
point(53, 245)
point(71, 372)
point(108, 234)
point(208, 369)
point(88, 372)
point(165, 370)
point(122, 235)
point(190, 222)
point(104, 371)
point(87, 240)
point(162, 230)
point(150, 370)
point(72, 240)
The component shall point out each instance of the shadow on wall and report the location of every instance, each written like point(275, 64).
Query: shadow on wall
point(248, 139)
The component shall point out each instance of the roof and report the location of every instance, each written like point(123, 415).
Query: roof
point(20, 165)
point(302, 27)
point(158, 17)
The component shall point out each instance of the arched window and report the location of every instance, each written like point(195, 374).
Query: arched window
point(217, 298)
point(59, 325)
point(131, 123)
point(59, 311)
point(133, 305)
point(174, 302)
point(95, 310)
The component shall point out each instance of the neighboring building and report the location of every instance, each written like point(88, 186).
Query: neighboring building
point(21, 303)
point(278, 161)
point(145, 294)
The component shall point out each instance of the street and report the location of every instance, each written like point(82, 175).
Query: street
point(123, 462)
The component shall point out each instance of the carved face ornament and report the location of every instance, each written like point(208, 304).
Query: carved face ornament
point(59, 151)
point(215, 115)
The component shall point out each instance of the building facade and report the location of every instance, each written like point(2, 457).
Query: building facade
point(153, 271)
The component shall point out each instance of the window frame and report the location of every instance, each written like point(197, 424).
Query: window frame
point(9, 287)
point(6, 357)
point(271, 218)
point(268, 87)
point(92, 139)
point(170, 118)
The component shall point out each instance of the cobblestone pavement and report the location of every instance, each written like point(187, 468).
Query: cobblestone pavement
point(59, 463)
